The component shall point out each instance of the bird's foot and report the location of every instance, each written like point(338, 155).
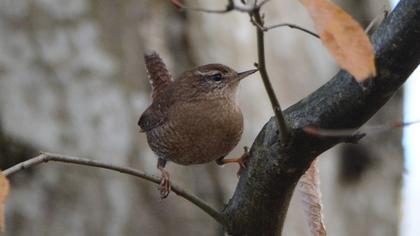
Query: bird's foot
point(165, 184)
point(242, 161)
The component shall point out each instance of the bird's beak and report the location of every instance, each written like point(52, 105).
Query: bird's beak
point(244, 74)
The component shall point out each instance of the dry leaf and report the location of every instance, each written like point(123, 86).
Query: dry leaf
point(4, 191)
point(310, 195)
point(343, 37)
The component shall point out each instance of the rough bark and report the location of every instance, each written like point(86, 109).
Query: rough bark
point(260, 202)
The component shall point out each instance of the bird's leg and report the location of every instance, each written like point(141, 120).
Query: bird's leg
point(165, 185)
point(242, 160)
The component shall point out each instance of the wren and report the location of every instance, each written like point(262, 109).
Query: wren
point(194, 119)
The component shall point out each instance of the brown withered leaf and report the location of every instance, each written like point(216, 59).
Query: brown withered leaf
point(344, 38)
point(310, 195)
point(4, 191)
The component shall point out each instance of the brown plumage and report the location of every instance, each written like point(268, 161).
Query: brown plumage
point(194, 119)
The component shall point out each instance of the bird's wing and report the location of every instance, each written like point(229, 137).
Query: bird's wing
point(158, 74)
point(151, 118)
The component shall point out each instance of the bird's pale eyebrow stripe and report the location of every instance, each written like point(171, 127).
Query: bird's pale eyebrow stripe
point(207, 73)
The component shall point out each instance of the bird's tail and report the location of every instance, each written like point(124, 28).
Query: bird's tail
point(159, 76)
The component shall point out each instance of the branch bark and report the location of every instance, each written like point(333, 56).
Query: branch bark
point(261, 199)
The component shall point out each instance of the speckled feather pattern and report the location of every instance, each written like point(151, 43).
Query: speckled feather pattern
point(192, 137)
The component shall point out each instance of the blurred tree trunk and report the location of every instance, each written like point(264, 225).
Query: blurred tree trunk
point(73, 81)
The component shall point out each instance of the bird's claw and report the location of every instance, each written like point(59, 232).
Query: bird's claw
point(165, 185)
point(242, 161)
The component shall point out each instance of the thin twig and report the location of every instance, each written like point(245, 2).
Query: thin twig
point(377, 19)
point(293, 26)
point(181, 6)
point(229, 7)
point(283, 129)
point(337, 133)
point(46, 157)
point(331, 133)
point(251, 6)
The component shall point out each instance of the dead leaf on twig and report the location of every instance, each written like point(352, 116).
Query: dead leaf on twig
point(343, 37)
point(310, 194)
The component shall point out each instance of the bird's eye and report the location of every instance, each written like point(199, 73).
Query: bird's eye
point(216, 77)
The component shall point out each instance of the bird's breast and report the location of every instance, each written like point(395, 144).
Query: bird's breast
point(199, 132)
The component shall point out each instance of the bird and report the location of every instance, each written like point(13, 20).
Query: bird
point(193, 119)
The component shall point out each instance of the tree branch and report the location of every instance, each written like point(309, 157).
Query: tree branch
point(46, 157)
point(261, 199)
point(229, 7)
point(283, 129)
point(293, 26)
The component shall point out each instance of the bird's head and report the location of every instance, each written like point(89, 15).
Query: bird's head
point(212, 80)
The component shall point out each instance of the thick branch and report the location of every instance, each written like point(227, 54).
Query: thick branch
point(46, 157)
point(260, 202)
